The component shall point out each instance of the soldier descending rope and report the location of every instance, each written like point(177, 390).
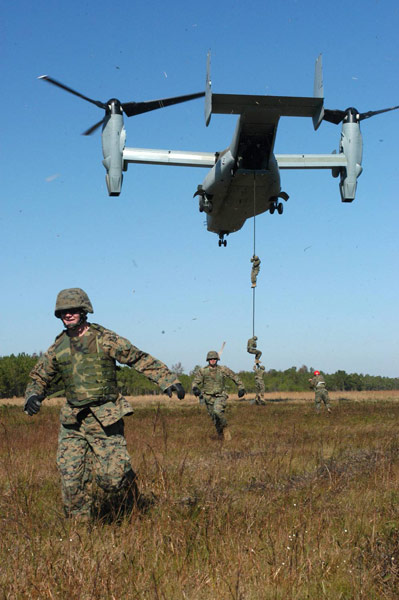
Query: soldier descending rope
point(252, 349)
point(255, 260)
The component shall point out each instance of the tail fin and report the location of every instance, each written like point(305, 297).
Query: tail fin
point(318, 91)
point(208, 91)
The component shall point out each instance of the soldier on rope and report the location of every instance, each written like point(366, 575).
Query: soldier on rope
point(255, 260)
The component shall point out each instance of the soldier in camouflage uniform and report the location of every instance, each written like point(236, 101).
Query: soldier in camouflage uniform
point(252, 349)
point(259, 385)
point(209, 382)
point(255, 260)
point(91, 444)
point(321, 394)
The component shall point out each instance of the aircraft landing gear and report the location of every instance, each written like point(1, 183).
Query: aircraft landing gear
point(276, 206)
point(222, 241)
point(205, 204)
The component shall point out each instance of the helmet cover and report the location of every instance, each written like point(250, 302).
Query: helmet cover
point(72, 298)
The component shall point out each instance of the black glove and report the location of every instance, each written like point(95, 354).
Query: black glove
point(178, 388)
point(32, 405)
point(241, 392)
point(196, 391)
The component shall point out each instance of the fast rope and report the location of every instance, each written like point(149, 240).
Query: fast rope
point(254, 252)
point(252, 342)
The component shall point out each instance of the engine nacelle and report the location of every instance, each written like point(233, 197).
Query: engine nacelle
point(113, 143)
point(351, 145)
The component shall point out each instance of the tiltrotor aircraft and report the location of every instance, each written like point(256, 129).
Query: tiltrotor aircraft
point(244, 179)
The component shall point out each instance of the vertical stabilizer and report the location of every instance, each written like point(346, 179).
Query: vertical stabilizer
point(208, 91)
point(318, 91)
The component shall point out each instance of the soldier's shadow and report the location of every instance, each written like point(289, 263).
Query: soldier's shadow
point(116, 510)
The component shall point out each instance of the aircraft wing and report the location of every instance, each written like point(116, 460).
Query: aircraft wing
point(179, 158)
point(311, 161)
point(175, 158)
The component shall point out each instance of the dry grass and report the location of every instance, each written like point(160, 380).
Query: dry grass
point(189, 400)
point(296, 506)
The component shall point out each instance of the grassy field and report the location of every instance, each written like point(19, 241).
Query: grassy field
point(295, 506)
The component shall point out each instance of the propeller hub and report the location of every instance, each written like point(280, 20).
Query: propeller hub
point(351, 115)
point(114, 107)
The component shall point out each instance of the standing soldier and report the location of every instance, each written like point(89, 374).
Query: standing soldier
point(252, 349)
point(91, 438)
point(321, 394)
point(210, 382)
point(255, 260)
point(259, 384)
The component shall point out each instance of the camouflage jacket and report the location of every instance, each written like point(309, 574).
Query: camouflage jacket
point(317, 382)
point(211, 380)
point(87, 366)
point(251, 345)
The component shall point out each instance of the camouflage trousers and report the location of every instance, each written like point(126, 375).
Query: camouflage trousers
point(216, 406)
point(321, 395)
point(258, 353)
point(94, 463)
point(254, 274)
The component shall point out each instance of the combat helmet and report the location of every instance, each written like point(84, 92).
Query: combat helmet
point(212, 354)
point(72, 298)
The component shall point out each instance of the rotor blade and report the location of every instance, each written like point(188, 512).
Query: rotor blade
point(137, 108)
point(371, 113)
point(333, 116)
point(93, 128)
point(71, 91)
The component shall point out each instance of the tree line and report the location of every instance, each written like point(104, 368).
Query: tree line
point(15, 369)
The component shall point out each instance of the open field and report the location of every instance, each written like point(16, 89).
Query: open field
point(296, 506)
point(288, 397)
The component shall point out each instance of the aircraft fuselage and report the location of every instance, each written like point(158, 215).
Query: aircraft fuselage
point(245, 181)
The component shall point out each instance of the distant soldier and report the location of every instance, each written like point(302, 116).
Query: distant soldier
point(210, 383)
point(252, 349)
point(321, 394)
point(91, 440)
point(255, 260)
point(259, 385)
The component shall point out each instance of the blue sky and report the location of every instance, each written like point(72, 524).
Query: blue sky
point(328, 290)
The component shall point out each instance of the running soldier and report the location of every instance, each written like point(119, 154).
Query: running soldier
point(210, 383)
point(91, 443)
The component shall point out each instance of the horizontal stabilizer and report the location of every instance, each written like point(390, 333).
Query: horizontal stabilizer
point(269, 107)
point(277, 106)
